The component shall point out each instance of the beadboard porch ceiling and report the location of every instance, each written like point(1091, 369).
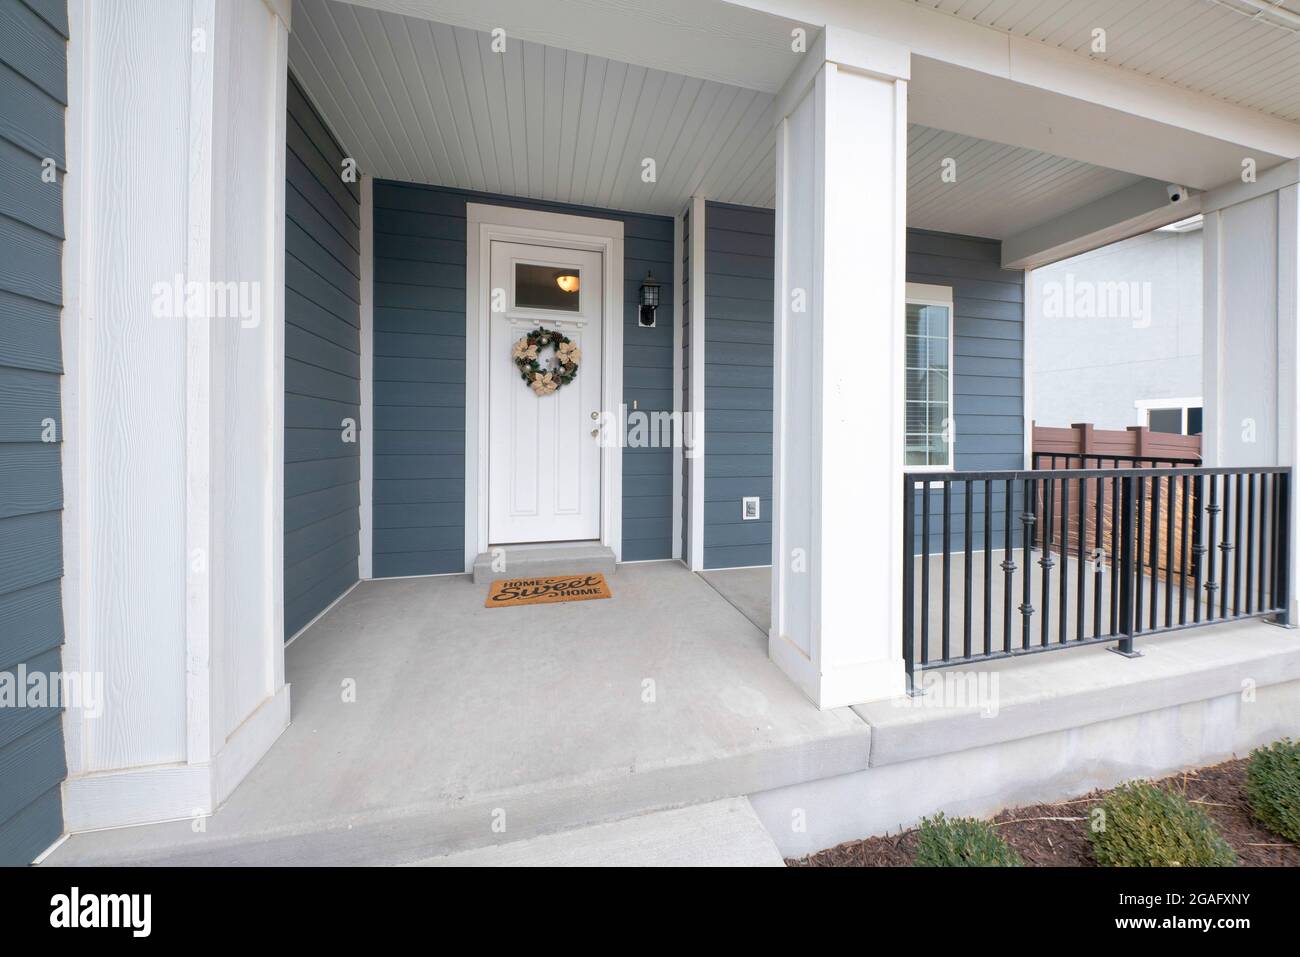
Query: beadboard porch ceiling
point(424, 101)
point(1245, 52)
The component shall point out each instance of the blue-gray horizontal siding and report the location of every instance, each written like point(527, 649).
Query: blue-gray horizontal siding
point(740, 247)
point(322, 367)
point(33, 95)
point(419, 377)
point(988, 373)
point(988, 367)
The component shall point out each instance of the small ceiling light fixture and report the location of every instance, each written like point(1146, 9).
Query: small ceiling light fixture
point(567, 282)
point(649, 300)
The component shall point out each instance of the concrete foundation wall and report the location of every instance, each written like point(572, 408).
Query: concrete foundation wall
point(1046, 767)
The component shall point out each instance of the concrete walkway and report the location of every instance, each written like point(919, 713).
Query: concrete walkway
point(718, 834)
point(553, 716)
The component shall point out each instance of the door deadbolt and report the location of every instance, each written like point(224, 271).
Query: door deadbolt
point(595, 415)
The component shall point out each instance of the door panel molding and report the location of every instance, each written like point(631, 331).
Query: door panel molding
point(486, 224)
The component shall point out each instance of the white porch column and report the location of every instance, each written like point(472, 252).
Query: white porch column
point(1252, 332)
point(838, 420)
point(174, 345)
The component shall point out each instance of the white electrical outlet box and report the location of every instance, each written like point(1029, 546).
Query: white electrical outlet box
point(749, 510)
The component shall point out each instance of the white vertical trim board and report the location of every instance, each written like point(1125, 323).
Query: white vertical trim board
point(1288, 321)
point(1027, 371)
point(678, 319)
point(365, 538)
point(483, 224)
point(695, 548)
point(275, 400)
point(76, 333)
point(1288, 358)
point(1211, 336)
point(206, 98)
point(780, 296)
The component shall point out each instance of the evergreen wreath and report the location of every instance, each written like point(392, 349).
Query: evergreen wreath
point(527, 359)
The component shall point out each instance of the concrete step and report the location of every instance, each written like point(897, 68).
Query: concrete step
point(717, 834)
point(419, 833)
point(543, 560)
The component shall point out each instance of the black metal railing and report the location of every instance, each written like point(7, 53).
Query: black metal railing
point(1054, 461)
point(1108, 554)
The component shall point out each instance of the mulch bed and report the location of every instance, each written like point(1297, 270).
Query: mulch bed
point(1056, 835)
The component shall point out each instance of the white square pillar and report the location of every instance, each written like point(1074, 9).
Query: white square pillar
point(838, 420)
point(173, 335)
point(1251, 338)
point(1288, 352)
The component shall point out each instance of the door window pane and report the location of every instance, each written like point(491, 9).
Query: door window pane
point(547, 287)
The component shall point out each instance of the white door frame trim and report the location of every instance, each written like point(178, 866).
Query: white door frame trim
point(699, 339)
point(483, 225)
point(679, 280)
point(366, 520)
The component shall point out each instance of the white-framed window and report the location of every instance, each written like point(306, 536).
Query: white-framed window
point(928, 405)
point(1176, 416)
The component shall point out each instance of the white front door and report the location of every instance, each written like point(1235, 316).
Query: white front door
point(544, 450)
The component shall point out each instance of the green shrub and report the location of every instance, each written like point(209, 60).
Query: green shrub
point(1145, 826)
point(1273, 788)
point(962, 842)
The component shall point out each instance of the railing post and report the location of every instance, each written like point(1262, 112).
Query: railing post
point(1086, 441)
point(1198, 544)
point(1026, 575)
point(1127, 619)
point(1283, 522)
point(909, 583)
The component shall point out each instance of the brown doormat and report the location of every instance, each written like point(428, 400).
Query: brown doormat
point(508, 592)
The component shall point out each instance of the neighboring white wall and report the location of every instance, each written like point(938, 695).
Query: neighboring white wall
point(1092, 369)
point(175, 586)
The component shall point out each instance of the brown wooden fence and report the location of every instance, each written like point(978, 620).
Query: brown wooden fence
point(1082, 441)
point(1082, 446)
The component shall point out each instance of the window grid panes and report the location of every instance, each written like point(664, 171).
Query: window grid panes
point(928, 395)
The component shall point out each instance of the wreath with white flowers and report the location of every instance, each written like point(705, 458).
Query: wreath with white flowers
point(527, 359)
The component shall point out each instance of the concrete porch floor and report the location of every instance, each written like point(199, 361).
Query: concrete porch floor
point(534, 717)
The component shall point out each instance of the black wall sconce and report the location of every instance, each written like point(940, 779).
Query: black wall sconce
point(649, 301)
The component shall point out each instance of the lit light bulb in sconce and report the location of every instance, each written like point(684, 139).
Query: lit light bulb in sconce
point(567, 283)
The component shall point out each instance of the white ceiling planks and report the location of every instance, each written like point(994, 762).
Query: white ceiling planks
point(1224, 48)
point(999, 190)
point(428, 102)
point(423, 101)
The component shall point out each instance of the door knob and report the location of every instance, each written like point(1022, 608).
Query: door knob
point(595, 433)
